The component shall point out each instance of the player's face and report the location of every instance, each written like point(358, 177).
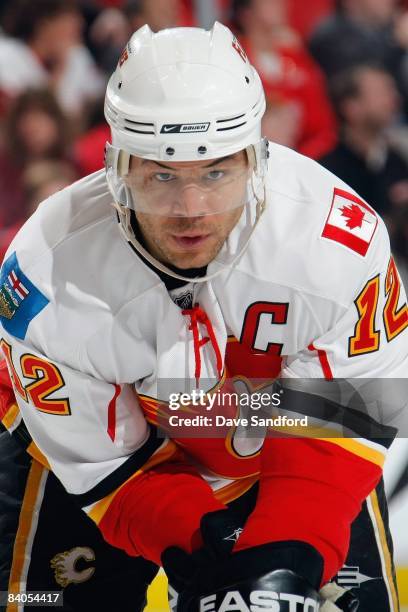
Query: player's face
point(203, 207)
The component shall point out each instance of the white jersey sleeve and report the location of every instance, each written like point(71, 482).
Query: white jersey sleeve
point(93, 433)
point(61, 334)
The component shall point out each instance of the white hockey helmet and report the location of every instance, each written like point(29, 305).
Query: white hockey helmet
point(182, 94)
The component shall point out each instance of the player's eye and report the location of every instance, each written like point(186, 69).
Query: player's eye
point(215, 175)
point(164, 177)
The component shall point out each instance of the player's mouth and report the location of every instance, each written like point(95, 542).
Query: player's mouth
point(190, 241)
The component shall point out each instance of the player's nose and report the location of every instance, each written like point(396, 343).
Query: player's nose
point(192, 201)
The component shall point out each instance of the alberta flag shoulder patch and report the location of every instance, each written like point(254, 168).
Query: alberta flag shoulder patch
point(20, 300)
point(350, 222)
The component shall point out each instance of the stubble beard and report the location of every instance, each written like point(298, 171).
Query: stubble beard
point(163, 252)
point(187, 259)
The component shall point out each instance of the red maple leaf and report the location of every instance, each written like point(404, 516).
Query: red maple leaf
point(354, 215)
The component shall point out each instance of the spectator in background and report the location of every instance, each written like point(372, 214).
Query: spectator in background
point(112, 27)
point(108, 34)
point(399, 227)
point(362, 31)
point(159, 14)
point(186, 8)
point(367, 103)
point(88, 148)
point(45, 47)
point(304, 16)
point(36, 129)
point(39, 180)
point(299, 113)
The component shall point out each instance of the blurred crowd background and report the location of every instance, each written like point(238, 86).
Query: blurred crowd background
point(335, 74)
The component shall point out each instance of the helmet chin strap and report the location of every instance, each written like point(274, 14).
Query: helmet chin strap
point(124, 214)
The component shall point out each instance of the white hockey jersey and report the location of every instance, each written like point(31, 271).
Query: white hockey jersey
point(89, 331)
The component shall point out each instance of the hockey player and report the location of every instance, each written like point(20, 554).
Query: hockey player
point(203, 257)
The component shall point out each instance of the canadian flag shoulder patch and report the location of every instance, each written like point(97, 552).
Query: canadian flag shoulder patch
point(350, 222)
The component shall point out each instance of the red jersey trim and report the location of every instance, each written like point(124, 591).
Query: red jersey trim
point(324, 361)
point(112, 414)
